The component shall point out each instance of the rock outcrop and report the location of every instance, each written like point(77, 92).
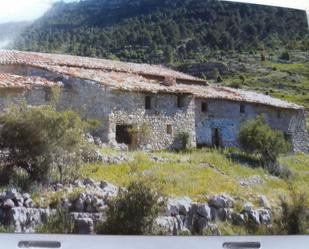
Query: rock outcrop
point(89, 205)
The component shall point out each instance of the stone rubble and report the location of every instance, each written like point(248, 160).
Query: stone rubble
point(181, 216)
point(254, 180)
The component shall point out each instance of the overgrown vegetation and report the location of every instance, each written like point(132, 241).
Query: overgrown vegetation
point(58, 223)
point(140, 135)
point(40, 144)
point(257, 137)
point(132, 212)
point(183, 139)
point(294, 214)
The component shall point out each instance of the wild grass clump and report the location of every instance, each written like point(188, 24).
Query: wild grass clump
point(132, 212)
point(293, 217)
point(183, 138)
point(61, 222)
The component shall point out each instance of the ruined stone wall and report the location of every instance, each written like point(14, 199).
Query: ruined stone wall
point(226, 116)
point(95, 101)
point(35, 97)
point(111, 107)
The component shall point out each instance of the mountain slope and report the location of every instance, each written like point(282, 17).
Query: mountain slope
point(161, 31)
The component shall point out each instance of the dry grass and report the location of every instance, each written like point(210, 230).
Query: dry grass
point(201, 173)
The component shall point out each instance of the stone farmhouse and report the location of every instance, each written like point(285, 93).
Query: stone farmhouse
point(122, 95)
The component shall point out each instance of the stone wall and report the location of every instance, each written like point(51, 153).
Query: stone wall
point(35, 97)
point(112, 108)
point(227, 118)
point(95, 101)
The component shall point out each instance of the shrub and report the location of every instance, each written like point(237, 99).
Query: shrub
point(59, 223)
point(242, 78)
point(257, 137)
point(183, 138)
point(235, 84)
point(294, 215)
point(219, 79)
point(42, 142)
point(7, 229)
point(285, 55)
point(140, 135)
point(132, 212)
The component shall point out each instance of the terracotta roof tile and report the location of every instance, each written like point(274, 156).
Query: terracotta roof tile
point(31, 58)
point(17, 81)
point(127, 76)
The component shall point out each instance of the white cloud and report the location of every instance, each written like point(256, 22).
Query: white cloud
point(21, 10)
point(297, 4)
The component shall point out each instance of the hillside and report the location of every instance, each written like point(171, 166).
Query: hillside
point(163, 31)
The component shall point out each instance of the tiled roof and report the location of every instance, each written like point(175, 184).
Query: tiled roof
point(43, 59)
point(17, 81)
point(130, 77)
point(133, 82)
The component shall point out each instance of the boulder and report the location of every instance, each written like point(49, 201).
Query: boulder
point(8, 204)
point(108, 189)
point(264, 202)
point(168, 225)
point(28, 203)
point(177, 206)
point(204, 210)
point(238, 219)
point(248, 207)
point(12, 194)
point(83, 225)
point(265, 216)
point(79, 205)
point(221, 201)
point(253, 217)
point(26, 219)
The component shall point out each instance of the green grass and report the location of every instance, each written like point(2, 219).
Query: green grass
point(287, 81)
point(189, 174)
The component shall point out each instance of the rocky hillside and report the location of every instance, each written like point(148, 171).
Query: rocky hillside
point(207, 192)
point(87, 201)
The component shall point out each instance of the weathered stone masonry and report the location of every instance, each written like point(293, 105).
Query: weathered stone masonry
point(117, 97)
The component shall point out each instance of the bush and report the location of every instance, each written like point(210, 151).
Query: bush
point(242, 79)
point(294, 215)
point(132, 212)
point(44, 143)
point(219, 79)
point(140, 135)
point(285, 56)
point(235, 84)
point(257, 137)
point(59, 223)
point(183, 138)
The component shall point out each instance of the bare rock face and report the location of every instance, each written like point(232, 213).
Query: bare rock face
point(177, 206)
point(84, 223)
point(168, 225)
point(264, 201)
point(25, 219)
point(221, 201)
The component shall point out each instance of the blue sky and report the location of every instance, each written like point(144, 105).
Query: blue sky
point(20, 10)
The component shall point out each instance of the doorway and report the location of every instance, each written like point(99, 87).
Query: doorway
point(123, 135)
point(216, 137)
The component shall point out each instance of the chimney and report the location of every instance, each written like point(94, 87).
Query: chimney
point(169, 81)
